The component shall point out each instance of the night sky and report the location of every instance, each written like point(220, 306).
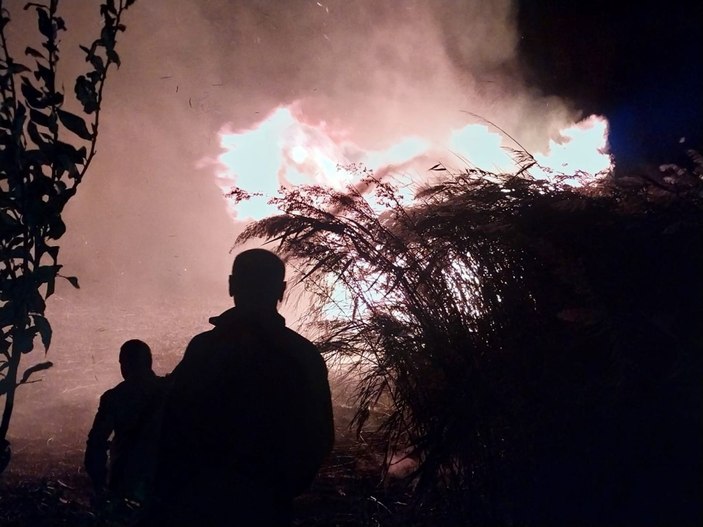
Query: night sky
point(639, 63)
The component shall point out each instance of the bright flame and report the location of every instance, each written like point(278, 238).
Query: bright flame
point(284, 150)
point(581, 150)
point(298, 154)
point(476, 146)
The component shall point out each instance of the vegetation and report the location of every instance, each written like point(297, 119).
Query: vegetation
point(535, 348)
point(45, 151)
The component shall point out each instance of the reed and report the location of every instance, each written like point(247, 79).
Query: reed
point(533, 346)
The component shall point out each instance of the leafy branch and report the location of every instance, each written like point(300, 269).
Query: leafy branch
point(45, 151)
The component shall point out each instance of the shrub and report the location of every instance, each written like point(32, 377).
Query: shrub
point(537, 345)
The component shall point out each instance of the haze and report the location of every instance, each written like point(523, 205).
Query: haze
point(149, 233)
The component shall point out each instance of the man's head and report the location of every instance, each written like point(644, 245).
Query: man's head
point(135, 358)
point(257, 280)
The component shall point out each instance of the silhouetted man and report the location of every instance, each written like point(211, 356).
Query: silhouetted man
point(248, 420)
point(130, 413)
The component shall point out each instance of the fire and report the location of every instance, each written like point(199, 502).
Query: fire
point(284, 150)
point(581, 150)
point(298, 154)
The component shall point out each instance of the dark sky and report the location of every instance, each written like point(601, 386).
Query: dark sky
point(639, 63)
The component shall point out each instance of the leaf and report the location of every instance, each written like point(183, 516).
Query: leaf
point(113, 56)
point(97, 62)
point(6, 219)
point(15, 67)
point(37, 138)
point(57, 228)
point(33, 369)
point(34, 97)
point(45, 74)
point(45, 273)
point(75, 124)
point(110, 6)
point(22, 341)
point(107, 35)
point(35, 302)
point(42, 324)
point(46, 27)
point(72, 280)
point(7, 312)
point(70, 152)
point(40, 118)
point(50, 287)
point(86, 94)
point(36, 156)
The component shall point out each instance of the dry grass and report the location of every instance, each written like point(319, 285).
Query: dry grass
point(532, 345)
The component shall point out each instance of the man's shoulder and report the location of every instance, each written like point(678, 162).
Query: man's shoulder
point(129, 388)
point(299, 342)
point(199, 350)
point(240, 337)
point(202, 344)
point(201, 341)
point(113, 394)
point(303, 348)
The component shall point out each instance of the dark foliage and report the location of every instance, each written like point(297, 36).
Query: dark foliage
point(45, 151)
point(534, 348)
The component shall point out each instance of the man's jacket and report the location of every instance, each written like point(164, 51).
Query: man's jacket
point(248, 420)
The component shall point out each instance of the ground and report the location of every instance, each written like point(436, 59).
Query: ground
point(53, 490)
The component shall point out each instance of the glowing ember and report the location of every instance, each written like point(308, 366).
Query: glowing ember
point(284, 150)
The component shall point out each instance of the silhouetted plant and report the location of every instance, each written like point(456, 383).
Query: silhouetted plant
point(45, 151)
point(511, 334)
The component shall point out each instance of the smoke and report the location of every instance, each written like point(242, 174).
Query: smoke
point(371, 77)
point(149, 220)
point(379, 70)
point(149, 232)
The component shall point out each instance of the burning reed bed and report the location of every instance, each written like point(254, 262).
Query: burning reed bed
point(529, 351)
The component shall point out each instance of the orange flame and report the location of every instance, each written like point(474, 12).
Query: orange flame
point(284, 150)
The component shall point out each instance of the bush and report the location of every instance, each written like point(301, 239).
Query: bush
point(537, 346)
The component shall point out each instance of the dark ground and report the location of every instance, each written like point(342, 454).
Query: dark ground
point(52, 490)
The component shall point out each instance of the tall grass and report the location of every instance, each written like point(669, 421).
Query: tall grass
point(537, 347)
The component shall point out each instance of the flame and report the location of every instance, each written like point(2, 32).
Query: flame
point(581, 150)
point(284, 150)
